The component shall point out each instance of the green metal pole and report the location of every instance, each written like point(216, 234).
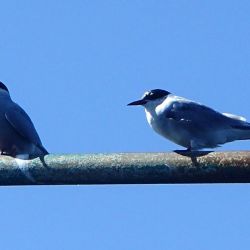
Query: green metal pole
point(128, 168)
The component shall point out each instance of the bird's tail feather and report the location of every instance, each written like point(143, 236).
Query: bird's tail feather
point(43, 149)
point(242, 131)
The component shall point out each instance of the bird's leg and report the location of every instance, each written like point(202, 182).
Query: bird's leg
point(192, 146)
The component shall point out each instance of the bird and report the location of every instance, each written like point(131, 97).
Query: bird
point(190, 124)
point(18, 136)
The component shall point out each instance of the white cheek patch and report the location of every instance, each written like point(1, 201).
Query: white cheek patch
point(22, 163)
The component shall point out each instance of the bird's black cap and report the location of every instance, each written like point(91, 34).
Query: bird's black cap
point(150, 96)
point(155, 94)
point(2, 86)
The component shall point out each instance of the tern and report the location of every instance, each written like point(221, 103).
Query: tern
point(18, 136)
point(191, 124)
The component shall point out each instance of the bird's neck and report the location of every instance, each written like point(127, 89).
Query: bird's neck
point(150, 110)
point(151, 106)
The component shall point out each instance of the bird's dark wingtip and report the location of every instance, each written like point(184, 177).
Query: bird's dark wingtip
point(242, 127)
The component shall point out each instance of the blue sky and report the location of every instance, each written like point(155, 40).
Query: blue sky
point(73, 66)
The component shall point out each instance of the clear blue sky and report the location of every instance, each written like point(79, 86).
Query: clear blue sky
point(73, 66)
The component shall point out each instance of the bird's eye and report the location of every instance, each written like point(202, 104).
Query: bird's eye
point(149, 96)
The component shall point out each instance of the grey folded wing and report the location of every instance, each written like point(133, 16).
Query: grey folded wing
point(23, 125)
point(196, 116)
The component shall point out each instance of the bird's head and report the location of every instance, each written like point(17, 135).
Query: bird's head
point(153, 97)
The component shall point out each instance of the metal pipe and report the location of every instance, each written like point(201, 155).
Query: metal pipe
point(128, 168)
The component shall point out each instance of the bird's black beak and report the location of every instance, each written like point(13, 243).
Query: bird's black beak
point(139, 102)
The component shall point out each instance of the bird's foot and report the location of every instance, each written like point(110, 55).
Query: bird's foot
point(192, 153)
point(184, 151)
